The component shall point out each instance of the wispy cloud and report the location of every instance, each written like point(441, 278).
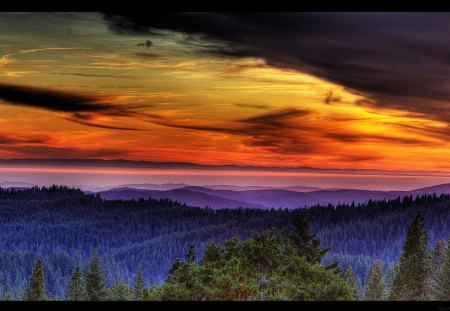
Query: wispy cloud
point(8, 59)
point(83, 109)
point(14, 138)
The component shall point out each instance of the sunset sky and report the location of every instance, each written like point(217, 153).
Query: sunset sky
point(331, 90)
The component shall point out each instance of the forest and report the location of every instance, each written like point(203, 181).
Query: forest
point(46, 233)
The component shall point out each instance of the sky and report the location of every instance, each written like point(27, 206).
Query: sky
point(323, 90)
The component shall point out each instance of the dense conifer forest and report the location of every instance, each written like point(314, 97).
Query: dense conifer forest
point(60, 243)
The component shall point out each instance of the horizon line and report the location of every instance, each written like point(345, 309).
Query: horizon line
point(190, 165)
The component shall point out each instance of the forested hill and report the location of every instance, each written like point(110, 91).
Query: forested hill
point(64, 225)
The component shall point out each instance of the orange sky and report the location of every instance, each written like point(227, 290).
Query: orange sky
point(179, 104)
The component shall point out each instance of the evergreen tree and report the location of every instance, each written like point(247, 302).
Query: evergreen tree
point(375, 283)
point(265, 267)
point(307, 243)
point(139, 285)
point(152, 293)
point(414, 270)
point(120, 292)
point(439, 252)
point(95, 279)
point(190, 255)
point(212, 254)
point(36, 288)
point(349, 276)
point(173, 269)
point(77, 289)
point(441, 288)
point(389, 280)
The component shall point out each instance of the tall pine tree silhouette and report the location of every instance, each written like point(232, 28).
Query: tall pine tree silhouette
point(95, 279)
point(307, 243)
point(77, 289)
point(440, 249)
point(375, 283)
point(139, 285)
point(412, 276)
point(36, 288)
point(349, 276)
point(441, 288)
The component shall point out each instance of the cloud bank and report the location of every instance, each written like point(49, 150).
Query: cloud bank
point(397, 60)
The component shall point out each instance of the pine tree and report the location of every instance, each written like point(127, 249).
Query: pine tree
point(36, 288)
point(389, 280)
point(375, 283)
point(120, 292)
point(190, 255)
point(212, 254)
point(412, 276)
point(439, 252)
point(173, 270)
point(77, 289)
point(349, 276)
point(308, 244)
point(139, 285)
point(95, 279)
point(441, 288)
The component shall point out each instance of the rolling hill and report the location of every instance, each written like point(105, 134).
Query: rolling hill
point(264, 198)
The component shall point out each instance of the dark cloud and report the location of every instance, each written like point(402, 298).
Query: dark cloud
point(146, 44)
point(88, 120)
point(51, 100)
point(253, 126)
point(398, 60)
point(36, 151)
point(441, 133)
point(362, 137)
point(358, 158)
point(331, 98)
point(277, 131)
point(81, 109)
point(275, 119)
point(254, 106)
point(13, 139)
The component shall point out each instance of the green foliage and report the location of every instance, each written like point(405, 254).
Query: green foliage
point(212, 254)
point(139, 285)
point(439, 252)
point(389, 281)
point(349, 276)
point(308, 244)
point(190, 255)
point(153, 293)
point(441, 288)
point(266, 267)
point(375, 283)
point(77, 288)
point(120, 292)
point(173, 269)
point(411, 280)
point(269, 266)
point(36, 288)
point(95, 279)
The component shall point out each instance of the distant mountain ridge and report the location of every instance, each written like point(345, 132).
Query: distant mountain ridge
point(265, 198)
point(230, 196)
